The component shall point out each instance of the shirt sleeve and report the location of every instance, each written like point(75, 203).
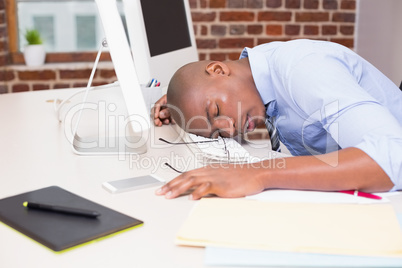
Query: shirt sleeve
point(375, 131)
point(326, 90)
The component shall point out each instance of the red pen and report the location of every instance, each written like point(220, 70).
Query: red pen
point(362, 194)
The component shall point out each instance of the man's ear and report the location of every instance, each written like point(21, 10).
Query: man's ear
point(217, 68)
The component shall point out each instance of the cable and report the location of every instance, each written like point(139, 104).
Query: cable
point(104, 43)
point(57, 108)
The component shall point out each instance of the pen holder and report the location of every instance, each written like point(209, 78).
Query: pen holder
point(151, 95)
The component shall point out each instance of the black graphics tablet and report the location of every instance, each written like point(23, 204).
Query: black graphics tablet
point(60, 231)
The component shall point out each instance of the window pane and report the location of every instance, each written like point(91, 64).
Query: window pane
point(86, 33)
point(65, 26)
point(45, 25)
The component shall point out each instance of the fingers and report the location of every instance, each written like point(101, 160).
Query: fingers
point(155, 112)
point(224, 181)
point(164, 113)
point(160, 112)
point(183, 184)
point(162, 117)
point(175, 187)
point(202, 190)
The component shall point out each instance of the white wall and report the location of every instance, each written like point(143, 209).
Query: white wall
point(379, 35)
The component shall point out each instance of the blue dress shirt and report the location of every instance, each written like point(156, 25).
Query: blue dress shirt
point(326, 97)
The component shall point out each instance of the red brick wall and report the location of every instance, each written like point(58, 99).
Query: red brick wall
point(53, 76)
point(222, 28)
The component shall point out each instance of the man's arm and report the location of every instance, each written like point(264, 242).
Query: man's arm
point(347, 169)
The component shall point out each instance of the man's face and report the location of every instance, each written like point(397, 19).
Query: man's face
point(222, 107)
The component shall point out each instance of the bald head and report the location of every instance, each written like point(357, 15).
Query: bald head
point(185, 88)
point(186, 80)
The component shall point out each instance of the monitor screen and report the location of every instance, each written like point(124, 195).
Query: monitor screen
point(166, 25)
point(161, 37)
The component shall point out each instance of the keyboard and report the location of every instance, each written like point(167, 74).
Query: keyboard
point(216, 150)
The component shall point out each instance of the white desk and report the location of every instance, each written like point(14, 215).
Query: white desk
point(35, 154)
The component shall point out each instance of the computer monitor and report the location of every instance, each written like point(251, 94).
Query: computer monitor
point(161, 37)
point(147, 57)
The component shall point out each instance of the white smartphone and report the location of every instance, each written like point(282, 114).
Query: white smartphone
point(130, 184)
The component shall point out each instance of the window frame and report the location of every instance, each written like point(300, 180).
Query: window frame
point(17, 57)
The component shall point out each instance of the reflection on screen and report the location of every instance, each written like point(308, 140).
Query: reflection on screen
point(166, 25)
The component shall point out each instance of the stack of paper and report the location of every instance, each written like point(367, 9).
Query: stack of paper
point(343, 229)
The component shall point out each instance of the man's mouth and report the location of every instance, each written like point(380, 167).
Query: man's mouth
point(249, 126)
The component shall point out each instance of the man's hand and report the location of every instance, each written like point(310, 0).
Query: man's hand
point(225, 180)
point(161, 112)
point(346, 169)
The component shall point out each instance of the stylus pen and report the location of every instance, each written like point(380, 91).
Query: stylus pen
point(62, 209)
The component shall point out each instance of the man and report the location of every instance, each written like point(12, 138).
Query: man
point(337, 114)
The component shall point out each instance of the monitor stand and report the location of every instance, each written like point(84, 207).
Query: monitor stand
point(116, 145)
point(105, 127)
point(95, 145)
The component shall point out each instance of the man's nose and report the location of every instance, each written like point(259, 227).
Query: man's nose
point(225, 125)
